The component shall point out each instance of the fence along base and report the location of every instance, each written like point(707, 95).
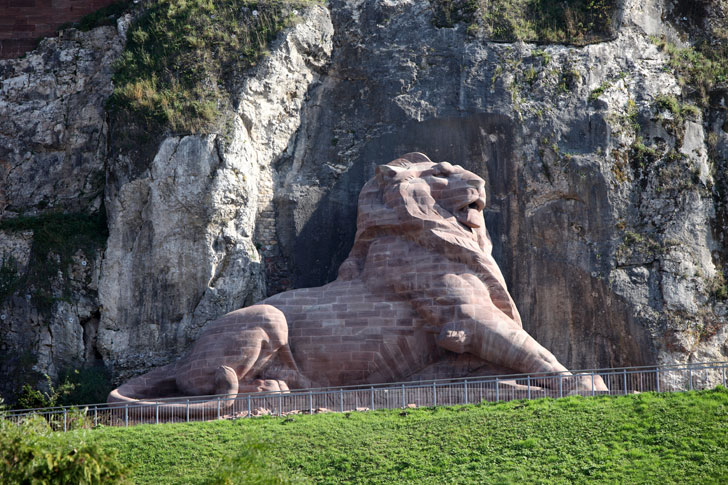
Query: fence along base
point(386, 396)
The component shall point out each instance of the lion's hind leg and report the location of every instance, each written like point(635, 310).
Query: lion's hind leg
point(269, 365)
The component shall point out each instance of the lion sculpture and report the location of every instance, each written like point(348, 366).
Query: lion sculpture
point(419, 283)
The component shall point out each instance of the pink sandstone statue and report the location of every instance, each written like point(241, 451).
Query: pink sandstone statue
point(420, 280)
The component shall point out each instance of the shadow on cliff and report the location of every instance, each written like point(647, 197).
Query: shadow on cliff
point(480, 143)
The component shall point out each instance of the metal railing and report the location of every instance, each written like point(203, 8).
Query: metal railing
point(441, 392)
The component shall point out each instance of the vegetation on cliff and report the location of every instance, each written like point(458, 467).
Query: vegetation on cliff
point(646, 438)
point(699, 69)
point(184, 59)
point(575, 22)
point(57, 239)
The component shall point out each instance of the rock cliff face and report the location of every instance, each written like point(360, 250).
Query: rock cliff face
point(183, 232)
point(605, 203)
point(53, 143)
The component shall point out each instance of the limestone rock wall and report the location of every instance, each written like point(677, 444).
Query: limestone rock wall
point(53, 124)
point(53, 139)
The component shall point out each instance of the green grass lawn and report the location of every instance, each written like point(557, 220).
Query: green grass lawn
point(646, 438)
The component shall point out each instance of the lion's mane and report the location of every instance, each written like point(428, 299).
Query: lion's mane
point(397, 201)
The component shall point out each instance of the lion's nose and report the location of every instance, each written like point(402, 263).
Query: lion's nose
point(478, 204)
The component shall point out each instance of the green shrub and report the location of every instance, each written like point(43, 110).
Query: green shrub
point(32, 398)
point(594, 95)
point(669, 103)
point(89, 385)
point(717, 286)
point(641, 155)
point(680, 111)
point(76, 386)
point(30, 453)
point(699, 68)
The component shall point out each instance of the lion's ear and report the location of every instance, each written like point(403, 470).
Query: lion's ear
point(387, 172)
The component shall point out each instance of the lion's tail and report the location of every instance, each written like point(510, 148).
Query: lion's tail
point(156, 383)
point(147, 389)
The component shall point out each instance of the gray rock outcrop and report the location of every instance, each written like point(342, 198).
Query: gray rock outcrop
point(610, 256)
point(53, 141)
point(53, 125)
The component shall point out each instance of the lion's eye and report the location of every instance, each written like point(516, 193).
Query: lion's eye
point(438, 172)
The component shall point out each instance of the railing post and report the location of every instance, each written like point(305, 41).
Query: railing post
point(65, 419)
point(96, 416)
point(561, 385)
point(723, 376)
point(657, 379)
point(218, 407)
point(341, 399)
point(250, 412)
point(126, 414)
point(156, 413)
point(188, 410)
point(280, 403)
point(592, 383)
point(404, 405)
point(466, 392)
point(372, 399)
point(497, 390)
point(690, 377)
point(528, 383)
point(624, 380)
point(310, 402)
point(434, 393)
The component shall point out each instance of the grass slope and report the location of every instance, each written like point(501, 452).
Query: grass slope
point(647, 438)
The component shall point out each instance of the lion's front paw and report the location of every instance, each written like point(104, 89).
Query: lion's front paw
point(265, 385)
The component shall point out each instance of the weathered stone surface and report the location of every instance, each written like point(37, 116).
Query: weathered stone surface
point(629, 243)
point(53, 139)
point(419, 282)
point(38, 340)
point(53, 127)
point(181, 249)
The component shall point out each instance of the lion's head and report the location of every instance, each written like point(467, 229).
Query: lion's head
point(437, 205)
point(432, 191)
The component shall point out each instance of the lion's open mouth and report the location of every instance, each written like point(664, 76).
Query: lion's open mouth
point(469, 214)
